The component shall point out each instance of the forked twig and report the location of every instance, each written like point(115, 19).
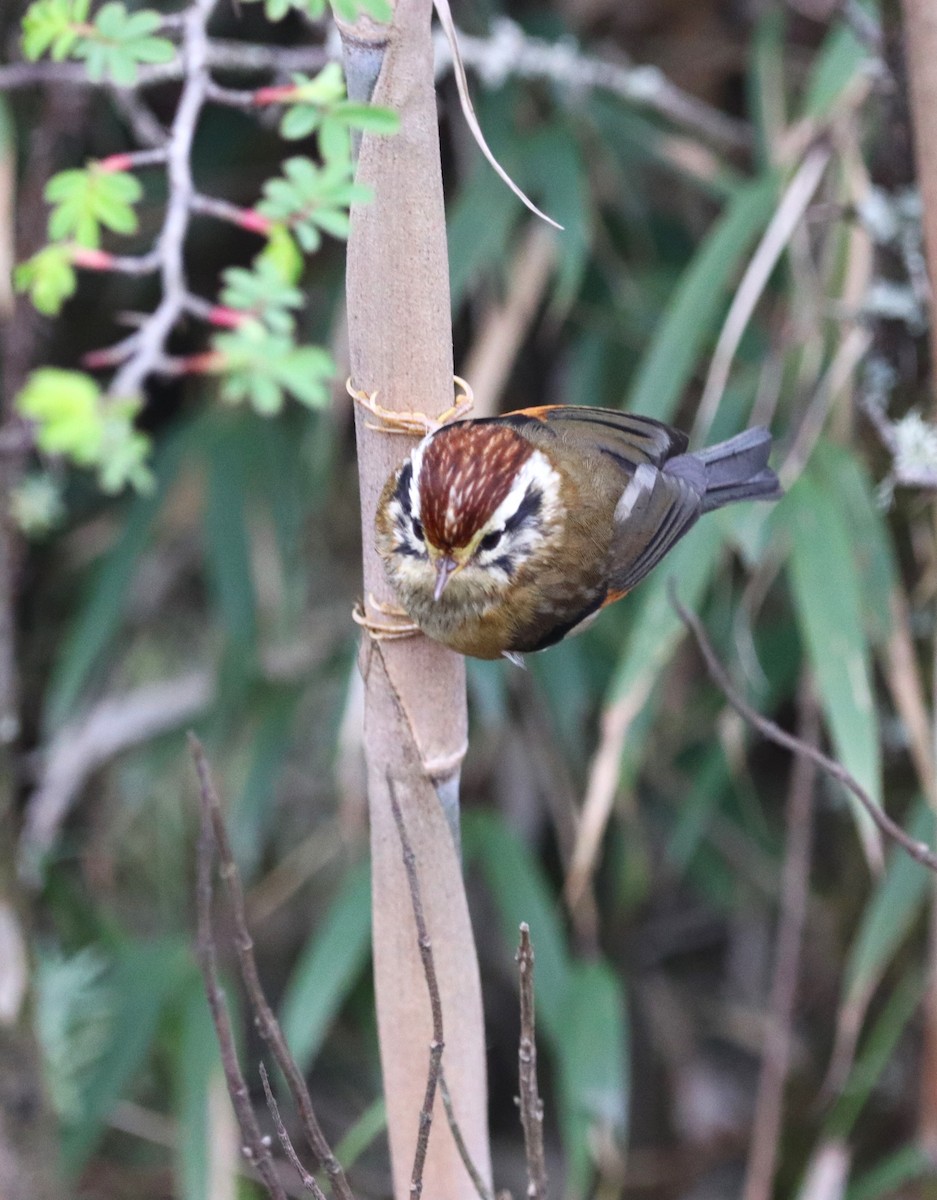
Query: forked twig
point(432, 986)
point(308, 1181)
point(255, 1148)
point(919, 851)
point(531, 1105)
point(267, 1024)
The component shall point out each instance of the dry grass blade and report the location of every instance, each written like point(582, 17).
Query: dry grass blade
point(445, 19)
point(789, 212)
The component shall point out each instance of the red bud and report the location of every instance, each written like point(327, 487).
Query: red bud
point(116, 162)
point(228, 318)
point(275, 95)
point(92, 260)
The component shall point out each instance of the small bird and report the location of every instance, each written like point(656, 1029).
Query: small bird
point(502, 535)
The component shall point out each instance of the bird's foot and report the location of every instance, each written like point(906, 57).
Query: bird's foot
point(395, 626)
point(411, 424)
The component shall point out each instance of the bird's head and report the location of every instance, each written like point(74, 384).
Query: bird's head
point(469, 507)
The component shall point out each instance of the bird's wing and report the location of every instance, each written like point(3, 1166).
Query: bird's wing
point(655, 507)
point(654, 511)
point(624, 438)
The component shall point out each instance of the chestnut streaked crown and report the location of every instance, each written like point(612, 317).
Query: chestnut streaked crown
point(463, 478)
point(502, 535)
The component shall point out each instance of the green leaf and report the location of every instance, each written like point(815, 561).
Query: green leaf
point(888, 917)
point(36, 504)
point(891, 1177)
point(85, 200)
point(299, 121)
point(329, 965)
point(700, 300)
point(97, 617)
point(521, 893)
point(308, 197)
point(261, 366)
point(253, 812)
point(841, 59)
point(657, 631)
point(593, 1061)
point(75, 419)
point(871, 543)
point(74, 1009)
point(53, 25)
point(656, 628)
point(877, 1052)
point(121, 41)
point(263, 292)
point(371, 1123)
point(48, 277)
point(380, 10)
point(144, 976)
point(480, 227)
point(324, 89)
point(369, 118)
point(124, 450)
point(827, 593)
point(227, 541)
point(196, 1069)
point(67, 409)
point(282, 253)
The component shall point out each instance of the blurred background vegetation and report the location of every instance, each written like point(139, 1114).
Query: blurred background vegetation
point(666, 858)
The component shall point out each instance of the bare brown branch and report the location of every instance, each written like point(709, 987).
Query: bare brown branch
point(531, 1105)
point(255, 1148)
point(267, 1023)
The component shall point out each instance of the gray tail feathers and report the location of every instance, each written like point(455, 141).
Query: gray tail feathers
point(733, 470)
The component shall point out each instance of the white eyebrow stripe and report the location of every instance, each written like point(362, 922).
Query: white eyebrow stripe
point(416, 458)
point(536, 470)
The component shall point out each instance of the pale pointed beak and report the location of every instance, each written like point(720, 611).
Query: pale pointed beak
point(445, 566)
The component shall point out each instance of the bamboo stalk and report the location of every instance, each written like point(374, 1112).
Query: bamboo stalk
point(400, 343)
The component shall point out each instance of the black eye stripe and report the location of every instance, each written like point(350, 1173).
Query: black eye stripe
point(402, 490)
point(528, 508)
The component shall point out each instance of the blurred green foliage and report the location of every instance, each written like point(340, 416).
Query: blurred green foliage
point(221, 598)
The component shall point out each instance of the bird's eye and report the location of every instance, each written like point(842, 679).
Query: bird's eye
point(490, 540)
point(417, 529)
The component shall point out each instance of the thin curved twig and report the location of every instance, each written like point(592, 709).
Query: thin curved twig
point(308, 1181)
point(432, 986)
point(255, 1149)
point(919, 851)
